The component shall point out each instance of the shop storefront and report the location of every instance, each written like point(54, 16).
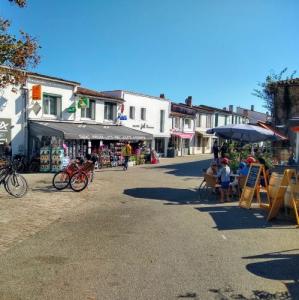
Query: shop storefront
point(180, 142)
point(55, 143)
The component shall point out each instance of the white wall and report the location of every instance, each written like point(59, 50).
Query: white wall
point(65, 91)
point(68, 98)
point(153, 106)
point(12, 107)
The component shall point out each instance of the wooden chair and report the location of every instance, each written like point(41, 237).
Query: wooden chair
point(295, 200)
point(210, 184)
point(203, 182)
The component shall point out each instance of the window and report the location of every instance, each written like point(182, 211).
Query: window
point(143, 114)
point(177, 122)
point(110, 111)
point(188, 123)
point(198, 120)
point(50, 104)
point(132, 112)
point(162, 120)
point(89, 112)
point(225, 120)
point(236, 120)
point(216, 120)
point(209, 121)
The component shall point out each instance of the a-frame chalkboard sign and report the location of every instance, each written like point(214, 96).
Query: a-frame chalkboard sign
point(252, 186)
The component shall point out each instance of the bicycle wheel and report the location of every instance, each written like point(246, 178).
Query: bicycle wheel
point(79, 182)
point(16, 185)
point(61, 180)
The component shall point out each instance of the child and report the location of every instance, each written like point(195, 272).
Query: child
point(224, 174)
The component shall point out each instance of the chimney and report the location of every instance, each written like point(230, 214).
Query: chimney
point(162, 96)
point(188, 101)
point(231, 108)
point(252, 108)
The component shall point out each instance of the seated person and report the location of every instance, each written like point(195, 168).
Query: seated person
point(224, 174)
point(242, 172)
point(212, 170)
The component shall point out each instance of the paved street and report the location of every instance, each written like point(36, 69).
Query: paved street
point(142, 234)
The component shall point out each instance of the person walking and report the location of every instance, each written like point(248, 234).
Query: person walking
point(216, 151)
point(126, 153)
point(223, 150)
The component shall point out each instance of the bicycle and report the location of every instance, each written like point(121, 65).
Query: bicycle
point(82, 177)
point(14, 183)
point(61, 179)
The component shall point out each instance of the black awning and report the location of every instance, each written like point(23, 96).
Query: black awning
point(83, 131)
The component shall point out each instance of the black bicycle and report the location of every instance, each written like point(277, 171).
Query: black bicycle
point(14, 183)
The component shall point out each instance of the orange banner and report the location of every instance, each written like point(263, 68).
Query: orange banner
point(37, 92)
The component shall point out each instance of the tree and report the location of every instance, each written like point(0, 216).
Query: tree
point(268, 88)
point(16, 54)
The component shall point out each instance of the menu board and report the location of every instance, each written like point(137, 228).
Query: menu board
point(253, 175)
point(251, 185)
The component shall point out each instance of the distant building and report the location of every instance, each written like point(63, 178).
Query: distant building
point(149, 114)
point(253, 116)
point(183, 128)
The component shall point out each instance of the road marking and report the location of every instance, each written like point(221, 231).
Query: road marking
point(224, 237)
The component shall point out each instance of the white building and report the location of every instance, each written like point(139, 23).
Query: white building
point(46, 108)
point(183, 129)
point(203, 142)
point(210, 117)
point(149, 114)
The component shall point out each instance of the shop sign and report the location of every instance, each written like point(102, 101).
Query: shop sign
point(37, 92)
point(71, 109)
point(83, 102)
point(123, 118)
point(5, 131)
point(36, 108)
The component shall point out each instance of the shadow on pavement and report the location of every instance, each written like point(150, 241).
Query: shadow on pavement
point(189, 169)
point(174, 196)
point(234, 217)
point(282, 266)
point(50, 189)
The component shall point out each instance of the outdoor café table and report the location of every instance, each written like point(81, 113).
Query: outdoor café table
point(233, 176)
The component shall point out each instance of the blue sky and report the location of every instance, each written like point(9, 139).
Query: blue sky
point(213, 50)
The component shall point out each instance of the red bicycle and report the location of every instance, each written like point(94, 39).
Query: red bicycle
point(61, 179)
point(80, 179)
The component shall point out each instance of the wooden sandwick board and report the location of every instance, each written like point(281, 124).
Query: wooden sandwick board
point(252, 186)
point(278, 200)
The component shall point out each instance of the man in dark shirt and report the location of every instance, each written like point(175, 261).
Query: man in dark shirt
point(216, 150)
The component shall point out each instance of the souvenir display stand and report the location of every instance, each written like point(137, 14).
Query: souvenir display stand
point(104, 158)
point(45, 159)
point(57, 158)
